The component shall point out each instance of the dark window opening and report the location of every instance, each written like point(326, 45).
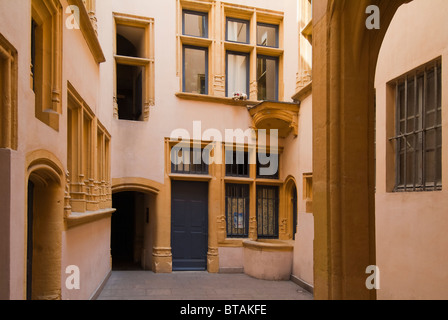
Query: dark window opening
point(129, 92)
point(237, 164)
point(272, 166)
point(267, 78)
point(189, 161)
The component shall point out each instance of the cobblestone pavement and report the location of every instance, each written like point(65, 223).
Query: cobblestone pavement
point(146, 285)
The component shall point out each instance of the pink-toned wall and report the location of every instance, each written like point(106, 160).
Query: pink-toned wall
point(411, 227)
point(81, 70)
point(88, 248)
point(300, 161)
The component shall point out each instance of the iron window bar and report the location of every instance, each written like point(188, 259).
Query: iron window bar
point(237, 210)
point(267, 212)
point(416, 141)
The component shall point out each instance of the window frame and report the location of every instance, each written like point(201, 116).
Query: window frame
point(48, 61)
point(276, 217)
point(198, 13)
point(205, 167)
point(271, 177)
point(246, 213)
point(206, 50)
point(234, 157)
point(246, 22)
point(277, 76)
point(419, 133)
point(277, 34)
point(247, 55)
point(148, 62)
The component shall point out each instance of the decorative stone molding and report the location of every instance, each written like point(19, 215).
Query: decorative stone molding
point(8, 95)
point(282, 116)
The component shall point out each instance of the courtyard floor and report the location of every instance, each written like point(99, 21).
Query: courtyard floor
point(146, 285)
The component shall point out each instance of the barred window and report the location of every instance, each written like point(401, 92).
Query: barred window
point(237, 164)
point(237, 210)
point(267, 212)
point(419, 131)
point(189, 161)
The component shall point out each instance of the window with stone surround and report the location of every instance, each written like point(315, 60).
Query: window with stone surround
point(46, 60)
point(233, 38)
point(88, 157)
point(8, 94)
point(418, 129)
point(134, 90)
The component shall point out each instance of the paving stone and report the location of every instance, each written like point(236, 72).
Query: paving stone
point(146, 285)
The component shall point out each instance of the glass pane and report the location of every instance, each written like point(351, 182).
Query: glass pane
point(430, 167)
point(195, 24)
point(237, 80)
point(410, 161)
point(237, 31)
point(267, 78)
point(401, 170)
point(195, 77)
point(401, 101)
point(410, 106)
point(420, 99)
point(430, 92)
point(267, 35)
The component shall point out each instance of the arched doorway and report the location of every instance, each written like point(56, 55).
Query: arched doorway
point(291, 199)
point(345, 54)
point(129, 226)
point(45, 199)
point(133, 230)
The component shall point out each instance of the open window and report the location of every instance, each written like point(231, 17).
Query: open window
point(134, 70)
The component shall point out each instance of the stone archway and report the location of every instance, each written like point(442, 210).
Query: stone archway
point(140, 197)
point(345, 54)
point(291, 205)
point(45, 222)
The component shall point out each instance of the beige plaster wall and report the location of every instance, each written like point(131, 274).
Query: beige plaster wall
point(81, 70)
point(170, 113)
point(411, 227)
point(300, 161)
point(88, 248)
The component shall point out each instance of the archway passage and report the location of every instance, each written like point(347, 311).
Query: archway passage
point(44, 236)
point(129, 230)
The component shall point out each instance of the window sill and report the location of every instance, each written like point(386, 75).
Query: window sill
point(78, 219)
point(267, 182)
point(215, 99)
point(269, 245)
point(303, 92)
point(190, 177)
point(240, 180)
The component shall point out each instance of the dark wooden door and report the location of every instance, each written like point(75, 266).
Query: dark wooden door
point(189, 225)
